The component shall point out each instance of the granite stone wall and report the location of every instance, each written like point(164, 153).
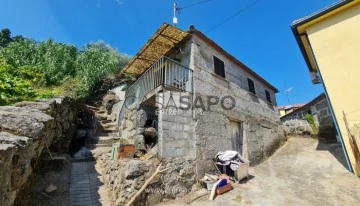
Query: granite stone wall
point(126, 176)
point(318, 108)
point(320, 111)
point(25, 131)
point(128, 126)
point(262, 130)
point(297, 127)
point(200, 133)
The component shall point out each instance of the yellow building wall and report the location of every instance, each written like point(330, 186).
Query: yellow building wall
point(282, 112)
point(336, 45)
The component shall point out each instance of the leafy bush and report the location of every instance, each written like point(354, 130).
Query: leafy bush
point(97, 60)
point(75, 88)
point(31, 73)
point(12, 87)
point(45, 69)
point(54, 60)
point(21, 53)
point(310, 119)
point(57, 61)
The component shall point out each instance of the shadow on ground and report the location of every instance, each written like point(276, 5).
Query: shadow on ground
point(245, 180)
point(86, 185)
point(335, 149)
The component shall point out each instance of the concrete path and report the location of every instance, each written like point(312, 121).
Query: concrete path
point(302, 172)
point(86, 186)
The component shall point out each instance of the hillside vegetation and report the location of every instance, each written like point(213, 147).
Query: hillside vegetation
point(31, 70)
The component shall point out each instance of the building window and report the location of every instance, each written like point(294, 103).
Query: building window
point(219, 67)
point(267, 93)
point(251, 86)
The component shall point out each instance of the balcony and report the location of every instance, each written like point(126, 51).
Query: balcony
point(165, 74)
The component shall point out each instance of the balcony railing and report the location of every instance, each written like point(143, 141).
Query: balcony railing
point(165, 73)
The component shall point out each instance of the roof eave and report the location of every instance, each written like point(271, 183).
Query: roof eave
point(298, 23)
point(235, 60)
point(302, 47)
point(316, 15)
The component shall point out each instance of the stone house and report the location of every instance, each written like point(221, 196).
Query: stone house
point(200, 99)
point(319, 110)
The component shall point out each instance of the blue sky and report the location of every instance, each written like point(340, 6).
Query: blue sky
point(260, 37)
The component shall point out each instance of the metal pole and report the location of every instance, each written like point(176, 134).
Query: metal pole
point(174, 18)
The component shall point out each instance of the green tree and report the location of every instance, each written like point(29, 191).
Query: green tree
point(18, 38)
point(97, 59)
point(52, 68)
point(57, 61)
point(21, 53)
point(5, 37)
point(12, 87)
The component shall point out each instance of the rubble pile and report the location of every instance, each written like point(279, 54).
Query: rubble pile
point(297, 127)
point(127, 176)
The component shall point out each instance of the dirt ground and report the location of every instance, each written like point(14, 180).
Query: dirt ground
point(57, 177)
point(302, 172)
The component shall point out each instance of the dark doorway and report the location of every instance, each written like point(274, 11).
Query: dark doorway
point(236, 132)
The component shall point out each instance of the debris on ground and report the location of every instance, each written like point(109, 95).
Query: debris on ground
point(223, 188)
point(83, 153)
point(158, 170)
point(232, 164)
point(281, 182)
point(208, 177)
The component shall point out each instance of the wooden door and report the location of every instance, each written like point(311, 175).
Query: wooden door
point(236, 133)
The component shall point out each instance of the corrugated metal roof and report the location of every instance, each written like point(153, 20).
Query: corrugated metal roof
point(321, 12)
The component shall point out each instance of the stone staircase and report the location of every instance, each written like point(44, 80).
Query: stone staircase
point(105, 131)
point(87, 187)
